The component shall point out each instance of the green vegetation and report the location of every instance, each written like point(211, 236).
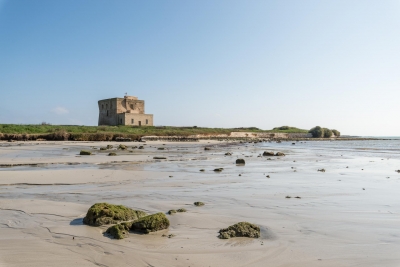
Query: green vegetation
point(151, 223)
point(287, 129)
point(336, 132)
point(319, 132)
point(242, 229)
point(109, 133)
point(104, 213)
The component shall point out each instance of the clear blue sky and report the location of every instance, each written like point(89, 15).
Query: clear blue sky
point(212, 63)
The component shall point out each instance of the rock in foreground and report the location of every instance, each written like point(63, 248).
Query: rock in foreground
point(242, 229)
point(119, 231)
point(151, 223)
point(104, 213)
point(85, 153)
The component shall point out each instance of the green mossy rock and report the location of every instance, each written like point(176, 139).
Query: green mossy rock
point(122, 147)
point(141, 147)
point(103, 148)
point(119, 231)
point(112, 154)
point(109, 146)
point(85, 153)
point(198, 204)
point(151, 223)
point(104, 213)
point(279, 154)
point(181, 210)
point(242, 229)
point(219, 169)
point(170, 212)
point(161, 148)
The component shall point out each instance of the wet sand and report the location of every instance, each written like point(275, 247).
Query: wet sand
point(344, 216)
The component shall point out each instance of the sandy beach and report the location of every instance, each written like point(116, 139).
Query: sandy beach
point(345, 216)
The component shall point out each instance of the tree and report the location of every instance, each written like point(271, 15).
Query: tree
point(317, 132)
point(327, 133)
point(336, 132)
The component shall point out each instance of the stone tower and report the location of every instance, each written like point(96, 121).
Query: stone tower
point(123, 111)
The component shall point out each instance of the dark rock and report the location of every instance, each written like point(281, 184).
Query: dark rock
point(198, 204)
point(268, 153)
point(85, 153)
point(279, 154)
point(240, 162)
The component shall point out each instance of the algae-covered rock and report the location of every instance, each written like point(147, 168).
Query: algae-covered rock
point(181, 210)
point(240, 161)
point(268, 153)
point(104, 213)
point(103, 148)
point(170, 212)
point(228, 154)
point(161, 148)
point(202, 170)
point(122, 147)
point(207, 148)
point(85, 153)
point(151, 223)
point(242, 229)
point(198, 204)
point(119, 231)
point(109, 146)
point(141, 147)
point(279, 154)
point(219, 169)
point(112, 154)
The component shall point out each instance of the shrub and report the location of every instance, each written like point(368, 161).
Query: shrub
point(336, 132)
point(317, 132)
point(327, 133)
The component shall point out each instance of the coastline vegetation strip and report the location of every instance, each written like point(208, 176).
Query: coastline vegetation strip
point(109, 133)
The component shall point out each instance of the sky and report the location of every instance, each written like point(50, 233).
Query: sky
point(209, 63)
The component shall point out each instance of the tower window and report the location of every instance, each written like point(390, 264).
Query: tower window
point(147, 121)
point(107, 113)
point(132, 121)
point(102, 106)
